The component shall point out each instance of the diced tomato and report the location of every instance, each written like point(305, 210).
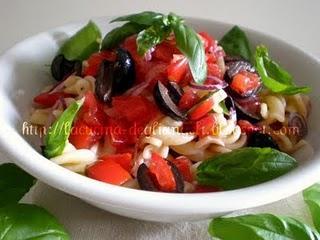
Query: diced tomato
point(188, 100)
point(94, 62)
point(157, 72)
point(124, 159)
point(82, 136)
point(247, 127)
point(109, 172)
point(245, 82)
point(135, 109)
point(201, 109)
point(164, 51)
point(206, 189)
point(162, 173)
point(184, 166)
point(205, 126)
point(209, 42)
point(214, 70)
point(49, 99)
point(92, 113)
point(117, 133)
point(177, 69)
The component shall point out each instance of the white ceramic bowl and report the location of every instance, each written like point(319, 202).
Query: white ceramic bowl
point(24, 72)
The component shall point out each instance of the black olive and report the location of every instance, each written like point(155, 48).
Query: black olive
point(62, 67)
point(177, 177)
point(166, 104)
point(175, 91)
point(298, 124)
point(262, 140)
point(248, 108)
point(104, 82)
point(144, 178)
point(124, 72)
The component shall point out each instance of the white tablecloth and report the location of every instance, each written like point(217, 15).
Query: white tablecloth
point(293, 20)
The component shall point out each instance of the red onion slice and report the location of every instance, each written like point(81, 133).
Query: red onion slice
point(212, 83)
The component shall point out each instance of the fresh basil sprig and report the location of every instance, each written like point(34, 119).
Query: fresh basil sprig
point(14, 184)
point(311, 196)
point(261, 227)
point(56, 139)
point(152, 29)
point(236, 43)
point(83, 43)
point(273, 76)
point(244, 167)
point(26, 221)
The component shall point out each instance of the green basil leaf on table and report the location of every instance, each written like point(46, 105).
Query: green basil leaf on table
point(236, 43)
point(58, 134)
point(261, 227)
point(244, 167)
point(311, 196)
point(24, 221)
point(14, 184)
point(152, 36)
point(143, 18)
point(117, 35)
point(83, 43)
point(192, 47)
point(273, 76)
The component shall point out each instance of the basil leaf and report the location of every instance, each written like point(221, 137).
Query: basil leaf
point(261, 227)
point(244, 167)
point(191, 46)
point(23, 221)
point(311, 196)
point(236, 43)
point(83, 43)
point(273, 76)
point(59, 132)
point(143, 18)
point(117, 35)
point(14, 183)
point(152, 36)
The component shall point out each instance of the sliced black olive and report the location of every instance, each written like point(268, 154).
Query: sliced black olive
point(124, 72)
point(234, 67)
point(248, 108)
point(175, 91)
point(104, 81)
point(298, 125)
point(62, 67)
point(262, 140)
point(177, 177)
point(166, 104)
point(144, 178)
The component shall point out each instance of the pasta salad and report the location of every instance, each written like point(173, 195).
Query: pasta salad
point(158, 106)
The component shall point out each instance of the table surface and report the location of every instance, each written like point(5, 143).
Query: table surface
point(292, 20)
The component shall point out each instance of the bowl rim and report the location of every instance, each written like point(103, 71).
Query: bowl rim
point(33, 162)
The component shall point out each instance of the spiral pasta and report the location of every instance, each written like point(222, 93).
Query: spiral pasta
point(79, 86)
point(74, 159)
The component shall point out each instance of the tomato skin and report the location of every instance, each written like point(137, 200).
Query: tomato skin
point(117, 133)
point(109, 172)
point(245, 82)
point(82, 136)
point(49, 99)
point(201, 109)
point(247, 127)
point(206, 189)
point(94, 61)
point(164, 51)
point(162, 173)
point(205, 126)
point(177, 69)
point(124, 159)
point(184, 166)
point(188, 100)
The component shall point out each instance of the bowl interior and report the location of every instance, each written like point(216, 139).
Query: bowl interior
point(25, 70)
